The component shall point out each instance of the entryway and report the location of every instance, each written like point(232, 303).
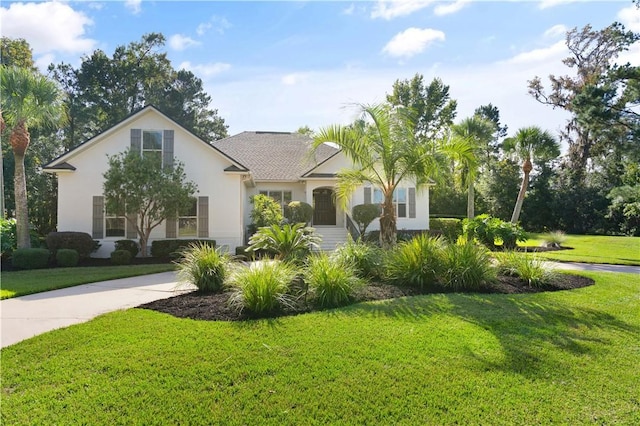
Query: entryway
point(324, 207)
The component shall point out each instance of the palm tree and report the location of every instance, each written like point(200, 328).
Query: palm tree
point(28, 99)
point(530, 143)
point(384, 150)
point(477, 132)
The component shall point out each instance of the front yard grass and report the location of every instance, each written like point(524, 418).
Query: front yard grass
point(568, 357)
point(20, 283)
point(593, 249)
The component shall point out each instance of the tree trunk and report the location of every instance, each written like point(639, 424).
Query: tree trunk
point(388, 228)
point(526, 168)
point(471, 211)
point(19, 140)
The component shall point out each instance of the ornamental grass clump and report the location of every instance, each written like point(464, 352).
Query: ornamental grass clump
point(365, 258)
point(414, 263)
point(262, 287)
point(289, 243)
point(330, 281)
point(535, 271)
point(466, 266)
point(204, 267)
point(554, 239)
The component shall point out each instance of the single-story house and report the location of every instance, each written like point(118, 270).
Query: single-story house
point(227, 172)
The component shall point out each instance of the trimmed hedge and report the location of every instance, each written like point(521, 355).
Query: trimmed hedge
point(67, 258)
point(128, 245)
point(79, 241)
point(121, 257)
point(172, 248)
point(30, 258)
point(451, 228)
point(298, 212)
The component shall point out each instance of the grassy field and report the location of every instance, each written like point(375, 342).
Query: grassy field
point(550, 358)
point(594, 249)
point(19, 283)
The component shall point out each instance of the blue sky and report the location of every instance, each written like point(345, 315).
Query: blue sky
point(281, 65)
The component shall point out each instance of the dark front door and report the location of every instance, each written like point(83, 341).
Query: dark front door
point(324, 208)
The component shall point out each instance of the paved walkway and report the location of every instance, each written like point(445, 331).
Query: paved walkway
point(27, 316)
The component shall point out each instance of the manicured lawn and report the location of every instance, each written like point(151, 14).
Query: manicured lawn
point(549, 358)
point(594, 249)
point(19, 283)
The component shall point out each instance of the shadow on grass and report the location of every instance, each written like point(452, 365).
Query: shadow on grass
point(523, 325)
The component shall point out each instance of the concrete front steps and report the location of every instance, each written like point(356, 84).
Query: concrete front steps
point(332, 236)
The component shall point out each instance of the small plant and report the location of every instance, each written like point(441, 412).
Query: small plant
point(165, 249)
point(364, 257)
point(79, 241)
point(466, 266)
point(287, 242)
point(451, 228)
point(121, 257)
point(30, 258)
point(129, 245)
point(204, 266)
point(265, 212)
point(490, 230)
point(262, 287)
point(414, 263)
point(299, 212)
point(331, 282)
point(554, 239)
point(364, 214)
point(67, 258)
point(531, 269)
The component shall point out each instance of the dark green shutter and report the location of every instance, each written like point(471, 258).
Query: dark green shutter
point(131, 229)
point(203, 217)
point(136, 140)
point(367, 195)
point(412, 202)
point(167, 149)
point(97, 229)
point(172, 227)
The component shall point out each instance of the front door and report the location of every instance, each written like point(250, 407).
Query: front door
point(324, 208)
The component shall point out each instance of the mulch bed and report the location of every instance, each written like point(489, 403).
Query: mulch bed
point(213, 307)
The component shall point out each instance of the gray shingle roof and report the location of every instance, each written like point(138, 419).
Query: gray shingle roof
point(277, 156)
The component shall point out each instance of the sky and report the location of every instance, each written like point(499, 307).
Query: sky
point(282, 65)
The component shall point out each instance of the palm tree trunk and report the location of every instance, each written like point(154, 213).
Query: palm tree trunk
point(388, 229)
point(471, 194)
point(526, 168)
point(22, 213)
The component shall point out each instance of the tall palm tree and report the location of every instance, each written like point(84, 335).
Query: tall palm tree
point(28, 99)
point(530, 143)
point(477, 132)
point(384, 151)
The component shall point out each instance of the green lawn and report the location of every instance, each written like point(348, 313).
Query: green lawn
point(19, 283)
point(550, 358)
point(594, 249)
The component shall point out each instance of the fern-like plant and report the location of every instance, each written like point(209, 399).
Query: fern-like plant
point(289, 243)
point(204, 266)
point(414, 263)
point(331, 282)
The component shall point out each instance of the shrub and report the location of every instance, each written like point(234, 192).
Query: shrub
point(287, 242)
point(121, 257)
point(204, 266)
point(165, 249)
point(414, 263)
point(265, 212)
point(490, 230)
point(7, 236)
point(531, 269)
point(450, 228)
point(554, 239)
point(67, 258)
point(466, 266)
point(331, 282)
point(262, 287)
point(299, 212)
point(366, 258)
point(129, 245)
point(30, 258)
point(364, 214)
point(79, 241)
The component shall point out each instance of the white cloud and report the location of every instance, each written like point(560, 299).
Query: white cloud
point(630, 18)
point(545, 4)
point(556, 31)
point(294, 78)
point(180, 42)
point(389, 9)
point(95, 5)
point(217, 23)
point(556, 51)
point(206, 70)
point(349, 10)
point(449, 8)
point(48, 27)
point(412, 41)
point(135, 6)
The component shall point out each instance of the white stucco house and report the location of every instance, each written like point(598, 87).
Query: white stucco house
point(227, 172)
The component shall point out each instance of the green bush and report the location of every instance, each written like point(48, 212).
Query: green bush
point(121, 257)
point(291, 243)
point(531, 269)
point(265, 212)
point(129, 245)
point(7, 236)
point(491, 231)
point(414, 263)
point(165, 249)
point(331, 282)
point(364, 214)
point(67, 258)
point(554, 239)
point(262, 287)
point(204, 266)
point(466, 266)
point(30, 258)
point(366, 258)
point(450, 228)
point(79, 241)
point(299, 212)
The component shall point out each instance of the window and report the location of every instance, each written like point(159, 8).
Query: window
point(152, 144)
point(114, 224)
point(399, 200)
point(282, 197)
point(188, 220)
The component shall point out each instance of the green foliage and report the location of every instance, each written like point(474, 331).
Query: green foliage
point(364, 214)
point(465, 266)
point(366, 258)
point(67, 258)
point(451, 228)
point(30, 258)
point(490, 231)
point(331, 281)
point(531, 269)
point(121, 257)
point(554, 239)
point(16, 52)
point(7, 236)
point(129, 245)
point(165, 249)
point(299, 212)
point(625, 208)
point(79, 241)
point(414, 263)
point(265, 212)
point(287, 242)
point(204, 266)
point(262, 287)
